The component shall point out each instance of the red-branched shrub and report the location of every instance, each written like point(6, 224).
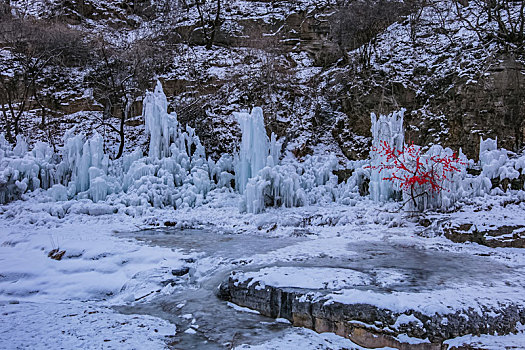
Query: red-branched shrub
point(415, 173)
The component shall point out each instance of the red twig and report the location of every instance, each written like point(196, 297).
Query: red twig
point(412, 170)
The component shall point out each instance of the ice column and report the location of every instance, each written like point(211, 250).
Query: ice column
point(21, 147)
point(387, 129)
point(86, 161)
point(256, 151)
point(494, 162)
point(490, 158)
point(161, 126)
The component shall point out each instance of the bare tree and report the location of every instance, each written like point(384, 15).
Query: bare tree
point(5, 8)
point(28, 49)
point(499, 20)
point(122, 75)
point(415, 9)
point(209, 19)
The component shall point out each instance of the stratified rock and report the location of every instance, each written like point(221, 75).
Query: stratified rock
point(501, 236)
point(365, 324)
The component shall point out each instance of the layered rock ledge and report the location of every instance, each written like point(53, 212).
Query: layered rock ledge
point(323, 300)
point(499, 236)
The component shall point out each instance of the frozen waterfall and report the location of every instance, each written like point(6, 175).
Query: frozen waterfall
point(161, 126)
point(265, 181)
point(176, 173)
point(387, 129)
point(256, 151)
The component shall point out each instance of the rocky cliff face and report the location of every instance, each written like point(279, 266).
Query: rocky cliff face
point(458, 112)
point(315, 90)
point(492, 106)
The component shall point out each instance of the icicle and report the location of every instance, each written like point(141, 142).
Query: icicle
point(21, 147)
point(275, 149)
point(161, 126)
point(494, 162)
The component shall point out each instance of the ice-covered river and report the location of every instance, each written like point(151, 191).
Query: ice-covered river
point(203, 321)
point(206, 322)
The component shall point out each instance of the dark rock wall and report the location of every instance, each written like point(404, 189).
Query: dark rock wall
point(332, 106)
point(456, 115)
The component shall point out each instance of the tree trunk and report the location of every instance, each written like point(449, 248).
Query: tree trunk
point(216, 25)
point(8, 134)
point(121, 133)
point(122, 139)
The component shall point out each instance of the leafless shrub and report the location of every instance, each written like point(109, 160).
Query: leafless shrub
point(5, 9)
point(29, 48)
point(499, 20)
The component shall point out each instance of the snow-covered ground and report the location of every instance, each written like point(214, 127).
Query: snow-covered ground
point(68, 303)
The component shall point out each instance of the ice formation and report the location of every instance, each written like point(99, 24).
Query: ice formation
point(21, 172)
point(161, 126)
point(274, 186)
point(292, 184)
point(265, 182)
point(176, 173)
point(494, 162)
point(356, 185)
point(387, 129)
point(256, 151)
point(457, 185)
point(21, 147)
point(87, 165)
point(451, 186)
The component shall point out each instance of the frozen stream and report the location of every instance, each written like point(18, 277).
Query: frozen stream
point(205, 322)
point(219, 325)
